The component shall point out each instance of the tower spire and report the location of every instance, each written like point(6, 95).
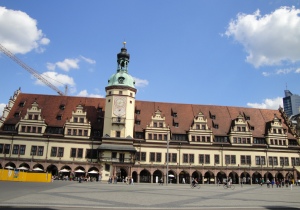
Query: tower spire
point(123, 59)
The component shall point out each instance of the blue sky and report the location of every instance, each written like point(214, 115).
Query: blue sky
point(231, 53)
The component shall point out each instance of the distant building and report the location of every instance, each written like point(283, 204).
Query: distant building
point(291, 103)
point(118, 137)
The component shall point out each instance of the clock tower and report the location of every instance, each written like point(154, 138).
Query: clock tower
point(120, 100)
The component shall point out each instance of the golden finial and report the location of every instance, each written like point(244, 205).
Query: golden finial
point(124, 43)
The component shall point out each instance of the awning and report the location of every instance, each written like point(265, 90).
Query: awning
point(114, 147)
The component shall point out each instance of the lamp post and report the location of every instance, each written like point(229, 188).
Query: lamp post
point(167, 175)
point(47, 148)
point(179, 153)
point(92, 150)
point(12, 143)
point(267, 156)
point(222, 156)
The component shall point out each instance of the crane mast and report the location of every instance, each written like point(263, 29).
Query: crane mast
point(29, 69)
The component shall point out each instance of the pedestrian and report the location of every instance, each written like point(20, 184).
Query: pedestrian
point(272, 183)
point(132, 180)
point(126, 180)
point(183, 180)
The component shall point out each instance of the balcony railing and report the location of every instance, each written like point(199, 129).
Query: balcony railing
point(118, 120)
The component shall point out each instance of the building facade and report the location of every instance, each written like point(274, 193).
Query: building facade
point(118, 136)
point(291, 103)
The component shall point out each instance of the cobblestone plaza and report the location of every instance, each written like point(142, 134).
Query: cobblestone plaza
point(95, 195)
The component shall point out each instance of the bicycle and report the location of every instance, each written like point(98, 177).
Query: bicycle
point(231, 186)
point(196, 185)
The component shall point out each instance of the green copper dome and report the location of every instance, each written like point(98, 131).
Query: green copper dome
point(122, 78)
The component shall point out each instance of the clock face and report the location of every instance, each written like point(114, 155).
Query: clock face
point(120, 106)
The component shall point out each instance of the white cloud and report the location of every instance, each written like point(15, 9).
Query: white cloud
point(19, 32)
point(270, 39)
point(268, 103)
point(68, 64)
point(58, 80)
point(283, 71)
point(84, 93)
point(266, 74)
point(140, 82)
point(2, 108)
point(88, 60)
point(297, 70)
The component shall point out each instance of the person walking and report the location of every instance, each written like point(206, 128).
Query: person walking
point(183, 180)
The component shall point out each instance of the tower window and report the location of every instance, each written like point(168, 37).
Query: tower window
point(120, 92)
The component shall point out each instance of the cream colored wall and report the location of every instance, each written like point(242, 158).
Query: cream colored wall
point(212, 152)
point(111, 129)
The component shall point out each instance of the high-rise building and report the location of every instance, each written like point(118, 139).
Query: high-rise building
point(118, 136)
point(291, 103)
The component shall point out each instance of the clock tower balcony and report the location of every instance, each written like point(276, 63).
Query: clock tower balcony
point(118, 120)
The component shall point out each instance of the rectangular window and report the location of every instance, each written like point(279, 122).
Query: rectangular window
point(207, 159)
point(275, 161)
point(118, 134)
point(152, 156)
point(270, 161)
point(40, 151)
point(33, 150)
point(22, 149)
point(227, 159)
point(174, 157)
point(165, 137)
point(158, 157)
point(286, 161)
point(60, 152)
point(80, 153)
point(114, 155)
point(217, 159)
point(203, 138)
point(160, 136)
point(155, 136)
point(6, 148)
point(53, 151)
point(281, 161)
point(150, 136)
point(248, 159)
point(143, 156)
point(233, 159)
point(73, 152)
point(15, 149)
point(1, 148)
point(257, 160)
point(185, 158)
point(192, 157)
point(85, 132)
point(201, 159)
point(263, 160)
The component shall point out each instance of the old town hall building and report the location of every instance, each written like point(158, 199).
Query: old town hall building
point(118, 136)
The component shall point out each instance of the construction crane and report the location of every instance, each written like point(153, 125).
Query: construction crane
point(30, 70)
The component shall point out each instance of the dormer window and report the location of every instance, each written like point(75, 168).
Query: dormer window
point(17, 114)
point(137, 122)
point(247, 118)
point(58, 117)
point(99, 109)
point(252, 128)
point(213, 117)
point(21, 104)
point(137, 111)
point(30, 117)
point(75, 119)
point(174, 114)
point(216, 126)
point(176, 124)
point(62, 107)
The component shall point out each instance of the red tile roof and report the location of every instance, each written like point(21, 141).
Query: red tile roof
point(50, 105)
